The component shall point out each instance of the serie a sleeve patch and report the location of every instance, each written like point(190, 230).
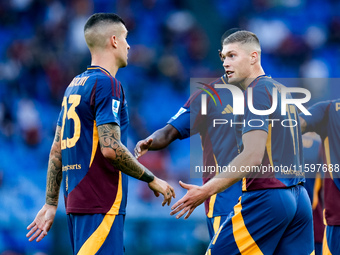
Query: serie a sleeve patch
point(115, 107)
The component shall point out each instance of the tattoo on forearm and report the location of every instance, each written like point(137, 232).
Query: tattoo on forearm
point(54, 172)
point(109, 137)
point(57, 136)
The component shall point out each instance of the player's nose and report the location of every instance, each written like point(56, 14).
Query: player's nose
point(225, 64)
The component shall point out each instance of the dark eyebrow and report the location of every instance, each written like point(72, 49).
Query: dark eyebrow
point(229, 52)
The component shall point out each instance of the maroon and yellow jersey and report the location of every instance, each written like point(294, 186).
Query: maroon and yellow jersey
point(91, 184)
point(283, 159)
point(325, 120)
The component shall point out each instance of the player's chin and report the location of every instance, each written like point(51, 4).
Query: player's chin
point(124, 64)
point(233, 81)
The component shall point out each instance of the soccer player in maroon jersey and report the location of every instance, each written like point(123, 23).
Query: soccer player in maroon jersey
point(89, 153)
point(312, 151)
point(274, 213)
point(325, 121)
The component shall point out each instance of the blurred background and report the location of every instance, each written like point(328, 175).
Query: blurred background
point(42, 48)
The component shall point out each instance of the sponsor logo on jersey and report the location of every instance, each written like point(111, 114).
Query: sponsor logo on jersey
point(72, 167)
point(227, 109)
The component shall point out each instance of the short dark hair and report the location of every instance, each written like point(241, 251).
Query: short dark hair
point(102, 17)
point(241, 36)
point(229, 32)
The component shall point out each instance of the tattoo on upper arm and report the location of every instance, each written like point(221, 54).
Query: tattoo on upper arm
point(54, 172)
point(109, 137)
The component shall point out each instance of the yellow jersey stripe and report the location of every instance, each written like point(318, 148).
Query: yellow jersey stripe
point(317, 187)
point(213, 197)
point(269, 145)
point(291, 126)
point(217, 223)
point(223, 79)
point(328, 154)
point(244, 184)
point(96, 240)
point(216, 235)
point(211, 206)
point(325, 248)
point(94, 142)
point(208, 252)
point(100, 69)
point(116, 205)
point(243, 239)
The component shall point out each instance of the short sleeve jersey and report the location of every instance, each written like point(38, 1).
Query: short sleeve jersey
point(218, 143)
point(325, 120)
point(90, 183)
point(283, 158)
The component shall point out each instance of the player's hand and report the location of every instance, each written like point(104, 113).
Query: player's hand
point(160, 186)
point(42, 223)
point(187, 204)
point(142, 147)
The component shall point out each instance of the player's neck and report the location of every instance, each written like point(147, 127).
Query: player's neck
point(105, 61)
point(253, 75)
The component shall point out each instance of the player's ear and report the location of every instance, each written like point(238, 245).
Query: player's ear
point(254, 57)
point(113, 41)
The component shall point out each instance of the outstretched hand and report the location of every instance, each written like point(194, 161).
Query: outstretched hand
point(42, 223)
point(187, 204)
point(160, 186)
point(142, 147)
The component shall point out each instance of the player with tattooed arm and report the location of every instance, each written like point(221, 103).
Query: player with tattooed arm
point(89, 153)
